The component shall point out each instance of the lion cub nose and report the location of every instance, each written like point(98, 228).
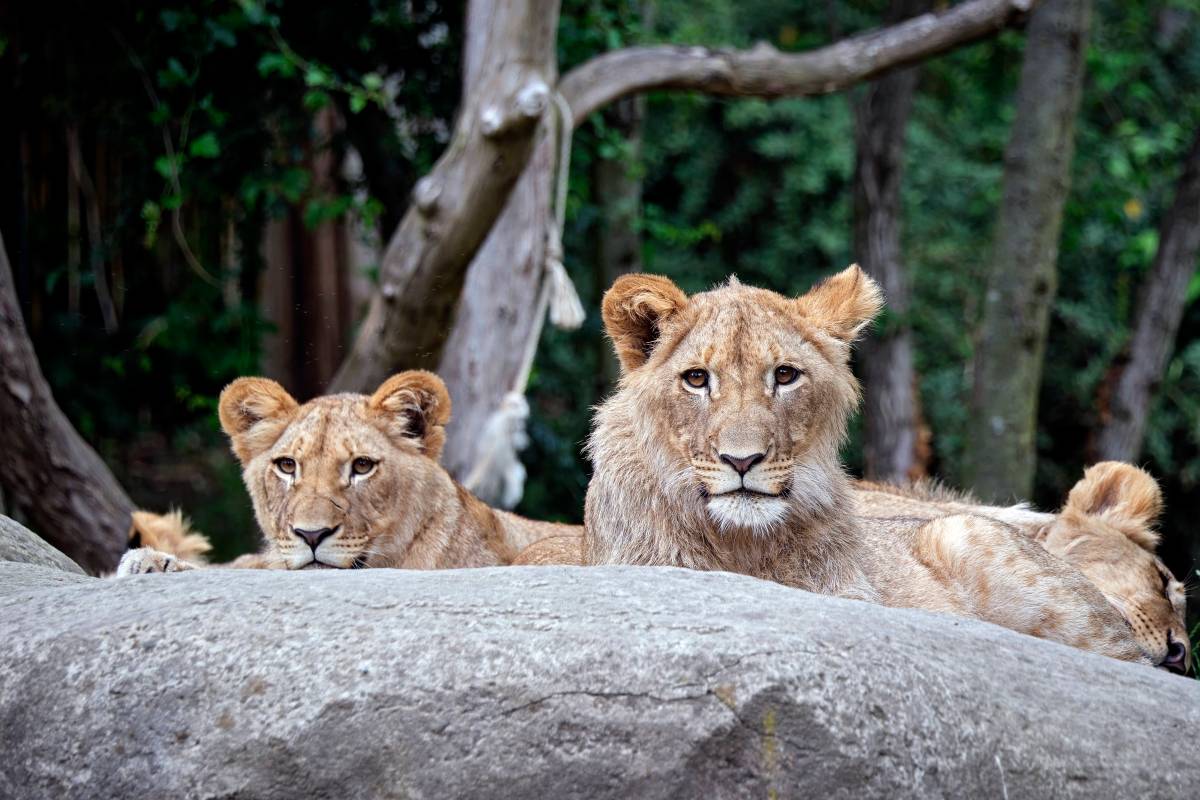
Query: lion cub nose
point(1176, 659)
point(314, 537)
point(742, 465)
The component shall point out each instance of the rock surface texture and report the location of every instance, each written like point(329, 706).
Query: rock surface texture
point(553, 683)
point(18, 543)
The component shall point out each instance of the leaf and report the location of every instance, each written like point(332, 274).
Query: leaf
point(205, 146)
point(1193, 289)
point(166, 166)
point(315, 76)
point(173, 75)
point(315, 100)
point(220, 34)
point(372, 81)
point(358, 101)
point(275, 63)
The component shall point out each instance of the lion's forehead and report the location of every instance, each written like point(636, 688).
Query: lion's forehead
point(741, 335)
point(332, 427)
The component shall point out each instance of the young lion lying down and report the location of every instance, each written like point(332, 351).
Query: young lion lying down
point(1105, 530)
point(719, 450)
point(351, 481)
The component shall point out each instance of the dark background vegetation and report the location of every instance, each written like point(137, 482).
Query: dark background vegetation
point(214, 111)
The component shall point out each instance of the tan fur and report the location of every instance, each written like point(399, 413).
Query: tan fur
point(665, 489)
point(566, 549)
point(170, 533)
point(1105, 530)
point(405, 512)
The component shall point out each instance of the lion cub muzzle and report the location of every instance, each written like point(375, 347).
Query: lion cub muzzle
point(313, 538)
point(315, 522)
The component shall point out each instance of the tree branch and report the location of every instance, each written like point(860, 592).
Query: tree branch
point(765, 72)
point(48, 470)
point(456, 204)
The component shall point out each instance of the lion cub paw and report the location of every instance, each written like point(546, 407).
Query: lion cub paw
point(145, 560)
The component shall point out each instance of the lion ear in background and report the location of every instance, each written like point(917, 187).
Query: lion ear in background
point(842, 304)
point(254, 413)
point(169, 533)
point(634, 310)
point(414, 405)
point(1127, 497)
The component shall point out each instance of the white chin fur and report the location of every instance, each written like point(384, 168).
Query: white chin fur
point(737, 511)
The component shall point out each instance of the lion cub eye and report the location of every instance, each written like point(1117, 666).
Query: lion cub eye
point(696, 378)
point(286, 465)
point(785, 374)
point(361, 466)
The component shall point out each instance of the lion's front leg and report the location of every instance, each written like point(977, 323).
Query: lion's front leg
point(145, 560)
point(1002, 577)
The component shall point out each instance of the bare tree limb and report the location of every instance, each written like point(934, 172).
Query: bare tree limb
point(48, 470)
point(456, 204)
point(765, 72)
point(1160, 307)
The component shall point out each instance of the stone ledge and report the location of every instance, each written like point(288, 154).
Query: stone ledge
point(554, 683)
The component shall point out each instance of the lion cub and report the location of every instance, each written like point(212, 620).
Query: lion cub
point(719, 451)
point(349, 480)
point(1105, 530)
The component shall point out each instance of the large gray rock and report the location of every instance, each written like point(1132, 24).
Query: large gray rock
point(554, 683)
point(18, 543)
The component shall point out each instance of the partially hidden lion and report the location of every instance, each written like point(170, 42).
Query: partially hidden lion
point(719, 451)
point(349, 480)
point(1105, 530)
point(168, 533)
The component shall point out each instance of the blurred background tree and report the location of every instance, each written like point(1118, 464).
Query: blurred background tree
point(230, 171)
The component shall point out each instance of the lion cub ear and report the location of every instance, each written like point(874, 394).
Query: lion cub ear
point(842, 304)
point(414, 405)
point(634, 310)
point(1127, 497)
point(254, 413)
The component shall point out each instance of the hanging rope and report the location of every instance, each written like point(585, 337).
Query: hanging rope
point(498, 476)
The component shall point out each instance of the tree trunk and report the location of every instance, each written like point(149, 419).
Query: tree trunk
point(48, 471)
point(456, 205)
point(1001, 445)
point(891, 407)
point(1127, 394)
point(617, 191)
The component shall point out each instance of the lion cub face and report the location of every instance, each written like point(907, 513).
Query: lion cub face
point(331, 478)
point(752, 385)
point(1106, 530)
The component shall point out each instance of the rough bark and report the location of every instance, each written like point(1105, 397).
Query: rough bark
point(496, 315)
point(891, 415)
point(1130, 392)
point(305, 292)
point(765, 72)
point(455, 206)
point(48, 471)
point(1001, 447)
point(617, 186)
